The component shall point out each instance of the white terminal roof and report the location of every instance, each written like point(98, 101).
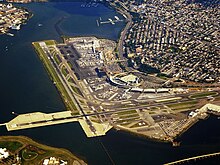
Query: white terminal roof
point(129, 78)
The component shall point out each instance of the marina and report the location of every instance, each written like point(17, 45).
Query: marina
point(109, 21)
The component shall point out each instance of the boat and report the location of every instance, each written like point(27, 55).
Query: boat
point(94, 4)
point(83, 5)
point(16, 27)
point(40, 24)
point(176, 144)
point(10, 34)
point(117, 129)
point(117, 18)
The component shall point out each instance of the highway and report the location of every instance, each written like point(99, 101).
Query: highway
point(123, 33)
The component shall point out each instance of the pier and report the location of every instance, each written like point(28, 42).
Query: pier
point(112, 21)
point(39, 119)
point(193, 158)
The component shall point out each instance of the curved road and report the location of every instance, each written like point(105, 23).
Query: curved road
point(123, 33)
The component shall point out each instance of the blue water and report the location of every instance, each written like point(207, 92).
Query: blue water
point(26, 87)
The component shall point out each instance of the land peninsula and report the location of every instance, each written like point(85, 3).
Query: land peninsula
point(101, 89)
point(23, 150)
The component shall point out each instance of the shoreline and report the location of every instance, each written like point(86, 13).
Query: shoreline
point(171, 140)
point(23, 22)
point(118, 128)
point(26, 141)
point(124, 30)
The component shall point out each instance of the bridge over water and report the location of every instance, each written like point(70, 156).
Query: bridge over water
point(193, 158)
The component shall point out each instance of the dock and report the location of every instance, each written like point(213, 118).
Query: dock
point(38, 119)
point(97, 21)
point(111, 21)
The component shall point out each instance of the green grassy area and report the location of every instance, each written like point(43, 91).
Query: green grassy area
point(203, 94)
point(181, 105)
point(50, 42)
point(70, 64)
point(126, 121)
point(129, 116)
point(144, 103)
point(54, 77)
point(11, 145)
point(162, 76)
point(28, 155)
point(33, 153)
point(64, 71)
point(185, 108)
point(75, 113)
point(126, 112)
point(126, 106)
point(71, 80)
point(99, 110)
point(137, 125)
point(56, 59)
point(77, 90)
point(94, 119)
point(81, 101)
point(154, 108)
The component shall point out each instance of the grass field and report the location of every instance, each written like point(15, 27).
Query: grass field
point(183, 105)
point(11, 145)
point(71, 80)
point(56, 59)
point(33, 153)
point(70, 64)
point(129, 116)
point(29, 155)
point(127, 112)
point(127, 121)
point(50, 42)
point(203, 94)
point(64, 71)
point(77, 90)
